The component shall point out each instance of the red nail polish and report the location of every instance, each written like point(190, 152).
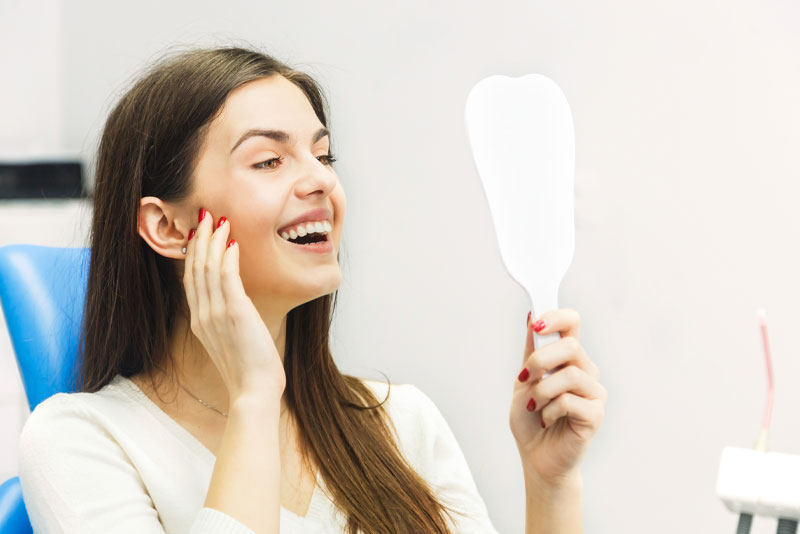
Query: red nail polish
point(191, 234)
point(231, 243)
point(531, 405)
point(202, 214)
point(221, 221)
point(538, 326)
point(523, 376)
point(542, 423)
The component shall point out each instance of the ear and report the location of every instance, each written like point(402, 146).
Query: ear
point(165, 227)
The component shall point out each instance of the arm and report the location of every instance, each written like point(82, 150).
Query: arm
point(553, 509)
point(553, 418)
point(245, 483)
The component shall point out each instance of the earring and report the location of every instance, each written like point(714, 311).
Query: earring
point(183, 250)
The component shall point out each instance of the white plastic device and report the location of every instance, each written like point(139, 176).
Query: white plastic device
point(523, 144)
point(756, 482)
point(760, 483)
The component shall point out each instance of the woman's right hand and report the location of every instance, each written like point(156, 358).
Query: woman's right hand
point(224, 318)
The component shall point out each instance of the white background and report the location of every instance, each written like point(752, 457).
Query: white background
point(686, 119)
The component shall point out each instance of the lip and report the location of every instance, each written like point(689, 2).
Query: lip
point(325, 247)
point(317, 214)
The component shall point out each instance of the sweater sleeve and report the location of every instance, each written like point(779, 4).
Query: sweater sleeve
point(75, 478)
point(448, 472)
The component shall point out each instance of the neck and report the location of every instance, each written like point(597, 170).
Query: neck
point(197, 372)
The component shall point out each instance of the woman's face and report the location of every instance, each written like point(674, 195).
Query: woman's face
point(235, 179)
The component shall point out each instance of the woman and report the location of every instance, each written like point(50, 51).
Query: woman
point(208, 400)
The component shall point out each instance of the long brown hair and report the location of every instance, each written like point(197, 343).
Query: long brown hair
point(150, 143)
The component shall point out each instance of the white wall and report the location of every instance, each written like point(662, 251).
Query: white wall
point(30, 60)
point(686, 119)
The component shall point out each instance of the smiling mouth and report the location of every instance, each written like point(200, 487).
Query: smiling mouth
point(309, 239)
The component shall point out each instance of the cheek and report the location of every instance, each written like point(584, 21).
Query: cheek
point(257, 210)
point(339, 201)
point(339, 198)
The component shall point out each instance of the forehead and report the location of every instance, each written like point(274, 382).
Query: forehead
point(274, 103)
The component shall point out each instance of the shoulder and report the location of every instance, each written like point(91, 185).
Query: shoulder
point(68, 422)
point(402, 400)
point(74, 474)
point(64, 410)
point(416, 418)
point(432, 449)
point(60, 432)
point(51, 415)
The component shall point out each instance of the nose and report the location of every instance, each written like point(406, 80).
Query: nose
point(317, 177)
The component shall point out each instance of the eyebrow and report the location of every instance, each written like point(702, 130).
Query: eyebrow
point(278, 135)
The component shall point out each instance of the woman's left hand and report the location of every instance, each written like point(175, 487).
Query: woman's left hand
point(569, 403)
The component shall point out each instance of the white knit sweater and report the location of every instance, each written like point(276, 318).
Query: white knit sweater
point(112, 462)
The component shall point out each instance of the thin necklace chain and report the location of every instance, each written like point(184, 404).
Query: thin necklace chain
point(204, 403)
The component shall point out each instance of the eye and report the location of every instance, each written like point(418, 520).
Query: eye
point(258, 165)
point(327, 157)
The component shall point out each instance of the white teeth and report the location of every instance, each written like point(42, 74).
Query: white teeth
point(302, 230)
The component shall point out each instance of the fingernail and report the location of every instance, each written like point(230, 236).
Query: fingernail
point(202, 214)
point(531, 405)
point(542, 423)
point(191, 234)
point(529, 319)
point(538, 326)
point(523, 376)
point(231, 243)
point(221, 220)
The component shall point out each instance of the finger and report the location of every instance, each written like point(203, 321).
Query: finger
point(528, 341)
point(188, 277)
point(567, 322)
point(588, 412)
point(216, 248)
point(558, 354)
point(570, 379)
point(564, 320)
point(199, 267)
point(232, 287)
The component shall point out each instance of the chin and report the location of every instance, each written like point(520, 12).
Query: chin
point(323, 285)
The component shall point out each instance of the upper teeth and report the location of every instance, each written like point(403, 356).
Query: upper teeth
point(303, 229)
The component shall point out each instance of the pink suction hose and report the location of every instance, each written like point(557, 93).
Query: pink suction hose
point(761, 443)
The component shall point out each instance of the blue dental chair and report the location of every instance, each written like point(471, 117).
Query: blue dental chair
point(42, 291)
